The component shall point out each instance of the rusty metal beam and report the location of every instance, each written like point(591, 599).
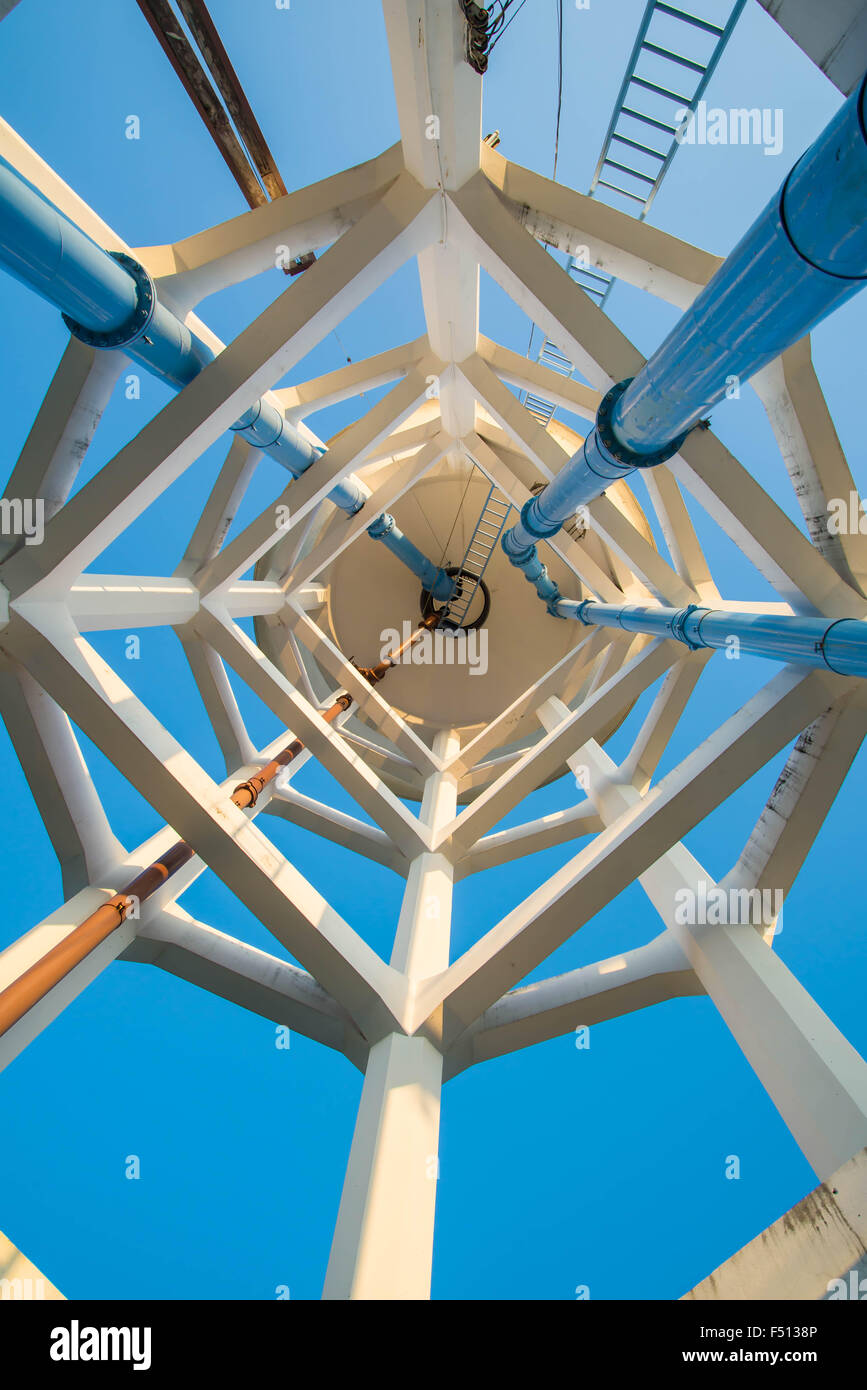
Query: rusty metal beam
point(210, 45)
point(167, 28)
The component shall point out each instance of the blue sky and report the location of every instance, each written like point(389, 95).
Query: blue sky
point(559, 1167)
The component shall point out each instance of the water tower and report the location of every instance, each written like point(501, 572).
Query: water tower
point(530, 603)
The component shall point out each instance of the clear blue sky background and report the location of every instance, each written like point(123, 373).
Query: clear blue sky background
point(559, 1167)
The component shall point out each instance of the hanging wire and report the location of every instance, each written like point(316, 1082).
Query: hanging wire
point(341, 346)
point(557, 124)
point(427, 520)
point(485, 28)
point(501, 26)
point(559, 85)
point(457, 517)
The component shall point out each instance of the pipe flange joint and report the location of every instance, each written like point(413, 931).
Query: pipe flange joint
point(618, 451)
point(551, 606)
point(820, 646)
point(136, 324)
point(517, 557)
point(539, 531)
point(678, 626)
point(381, 526)
point(248, 787)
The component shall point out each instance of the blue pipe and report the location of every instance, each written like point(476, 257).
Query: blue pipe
point(803, 256)
point(109, 301)
point(839, 645)
point(437, 583)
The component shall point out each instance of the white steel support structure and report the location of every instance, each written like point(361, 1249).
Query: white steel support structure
point(449, 418)
point(383, 1244)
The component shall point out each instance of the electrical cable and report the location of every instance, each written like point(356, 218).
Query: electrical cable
point(457, 517)
point(559, 86)
point(502, 30)
point(485, 28)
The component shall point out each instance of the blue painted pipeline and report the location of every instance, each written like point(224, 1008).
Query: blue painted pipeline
point(435, 581)
point(839, 645)
point(109, 301)
point(804, 255)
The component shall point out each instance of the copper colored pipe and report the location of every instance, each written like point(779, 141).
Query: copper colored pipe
point(51, 968)
point(247, 793)
point(374, 674)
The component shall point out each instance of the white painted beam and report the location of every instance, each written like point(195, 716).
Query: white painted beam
point(594, 994)
point(242, 974)
point(269, 236)
point(616, 243)
point(812, 1074)
point(534, 929)
point(376, 246)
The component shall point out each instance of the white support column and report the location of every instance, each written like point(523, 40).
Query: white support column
point(383, 1242)
point(63, 429)
point(439, 106)
point(814, 1077)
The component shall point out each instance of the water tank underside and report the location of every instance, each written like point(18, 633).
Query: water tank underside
point(372, 601)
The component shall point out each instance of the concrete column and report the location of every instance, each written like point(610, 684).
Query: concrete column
point(383, 1241)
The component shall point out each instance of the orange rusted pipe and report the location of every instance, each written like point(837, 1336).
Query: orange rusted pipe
point(50, 969)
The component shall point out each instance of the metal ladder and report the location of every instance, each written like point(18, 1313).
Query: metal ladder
point(597, 283)
point(670, 67)
point(482, 544)
point(552, 357)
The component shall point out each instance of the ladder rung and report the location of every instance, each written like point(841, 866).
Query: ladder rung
point(636, 197)
point(690, 19)
point(557, 360)
point(645, 149)
point(649, 120)
point(660, 91)
point(675, 57)
point(594, 274)
point(624, 168)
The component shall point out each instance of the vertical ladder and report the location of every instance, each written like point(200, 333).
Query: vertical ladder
point(552, 357)
point(482, 544)
point(674, 71)
point(631, 107)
